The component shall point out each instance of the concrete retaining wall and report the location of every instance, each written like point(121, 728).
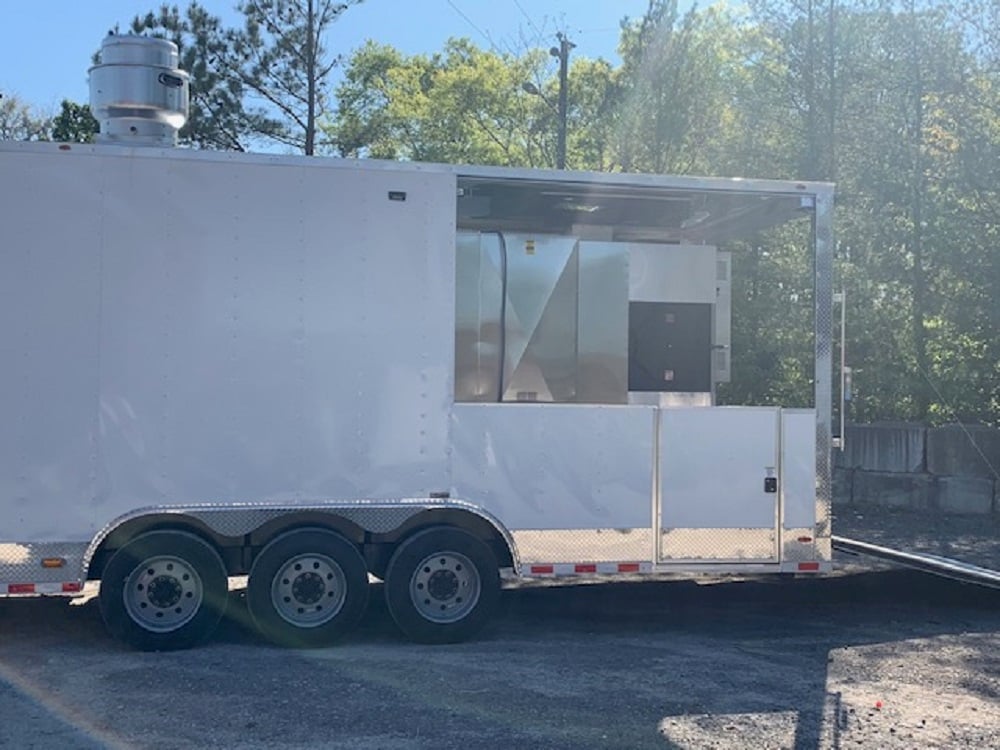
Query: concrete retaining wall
point(952, 469)
point(884, 447)
point(964, 451)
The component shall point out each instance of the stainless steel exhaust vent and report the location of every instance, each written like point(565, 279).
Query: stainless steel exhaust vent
point(137, 92)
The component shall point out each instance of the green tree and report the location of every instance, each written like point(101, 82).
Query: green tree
point(19, 122)
point(265, 81)
point(888, 99)
point(805, 45)
point(280, 56)
point(897, 222)
point(365, 123)
point(220, 116)
point(463, 105)
point(593, 115)
point(74, 123)
point(676, 89)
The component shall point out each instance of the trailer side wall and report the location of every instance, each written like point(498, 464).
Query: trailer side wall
point(179, 332)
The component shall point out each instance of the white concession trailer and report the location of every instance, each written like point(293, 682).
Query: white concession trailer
point(311, 371)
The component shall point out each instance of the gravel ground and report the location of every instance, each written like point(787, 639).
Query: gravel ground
point(865, 659)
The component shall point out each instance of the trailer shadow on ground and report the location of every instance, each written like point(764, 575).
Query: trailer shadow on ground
point(675, 663)
point(743, 649)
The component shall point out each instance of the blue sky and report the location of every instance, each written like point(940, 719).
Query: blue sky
point(45, 48)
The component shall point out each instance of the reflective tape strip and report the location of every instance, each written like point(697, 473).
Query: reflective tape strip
point(574, 569)
point(15, 589)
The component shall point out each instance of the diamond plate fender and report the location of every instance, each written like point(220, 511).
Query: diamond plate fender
point(375, 516)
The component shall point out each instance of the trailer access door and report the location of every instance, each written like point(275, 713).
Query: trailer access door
point(718, 486)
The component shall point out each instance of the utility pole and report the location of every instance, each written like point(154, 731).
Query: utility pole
point(562, 52)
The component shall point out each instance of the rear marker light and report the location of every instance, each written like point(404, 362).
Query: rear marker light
point(53, 562)
point(21, 588)
point(805, 539)
point(628, 567)
point(541, 569)
point(809, 566)
point(585, 568)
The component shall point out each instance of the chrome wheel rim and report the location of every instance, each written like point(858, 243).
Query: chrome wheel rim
point(309, 590)
point(445, 587)
point(163, 593)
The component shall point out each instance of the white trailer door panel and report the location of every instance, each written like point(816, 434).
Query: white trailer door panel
point(718, 484)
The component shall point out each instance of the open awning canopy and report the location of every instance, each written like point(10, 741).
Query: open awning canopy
point(633, 208)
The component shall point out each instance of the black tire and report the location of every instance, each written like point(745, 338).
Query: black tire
point(442, 585)
point(307, 588)
point(164, 590)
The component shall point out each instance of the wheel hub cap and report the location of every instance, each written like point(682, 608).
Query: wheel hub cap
point(165, 591)
point(308, 588)
point(442, 584)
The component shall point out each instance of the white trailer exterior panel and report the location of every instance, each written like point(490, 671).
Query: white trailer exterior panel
point(212, 335)
point(800, 510)
point(571, 482)
point(49, 342)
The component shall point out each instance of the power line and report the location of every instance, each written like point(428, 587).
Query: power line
point(470, 22)
point(525, 14)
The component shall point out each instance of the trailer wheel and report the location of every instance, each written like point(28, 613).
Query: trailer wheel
point(163, 590)
point(442, 585)
point(307, 588)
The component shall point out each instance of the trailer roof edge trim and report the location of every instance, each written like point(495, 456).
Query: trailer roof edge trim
point(461, 171)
